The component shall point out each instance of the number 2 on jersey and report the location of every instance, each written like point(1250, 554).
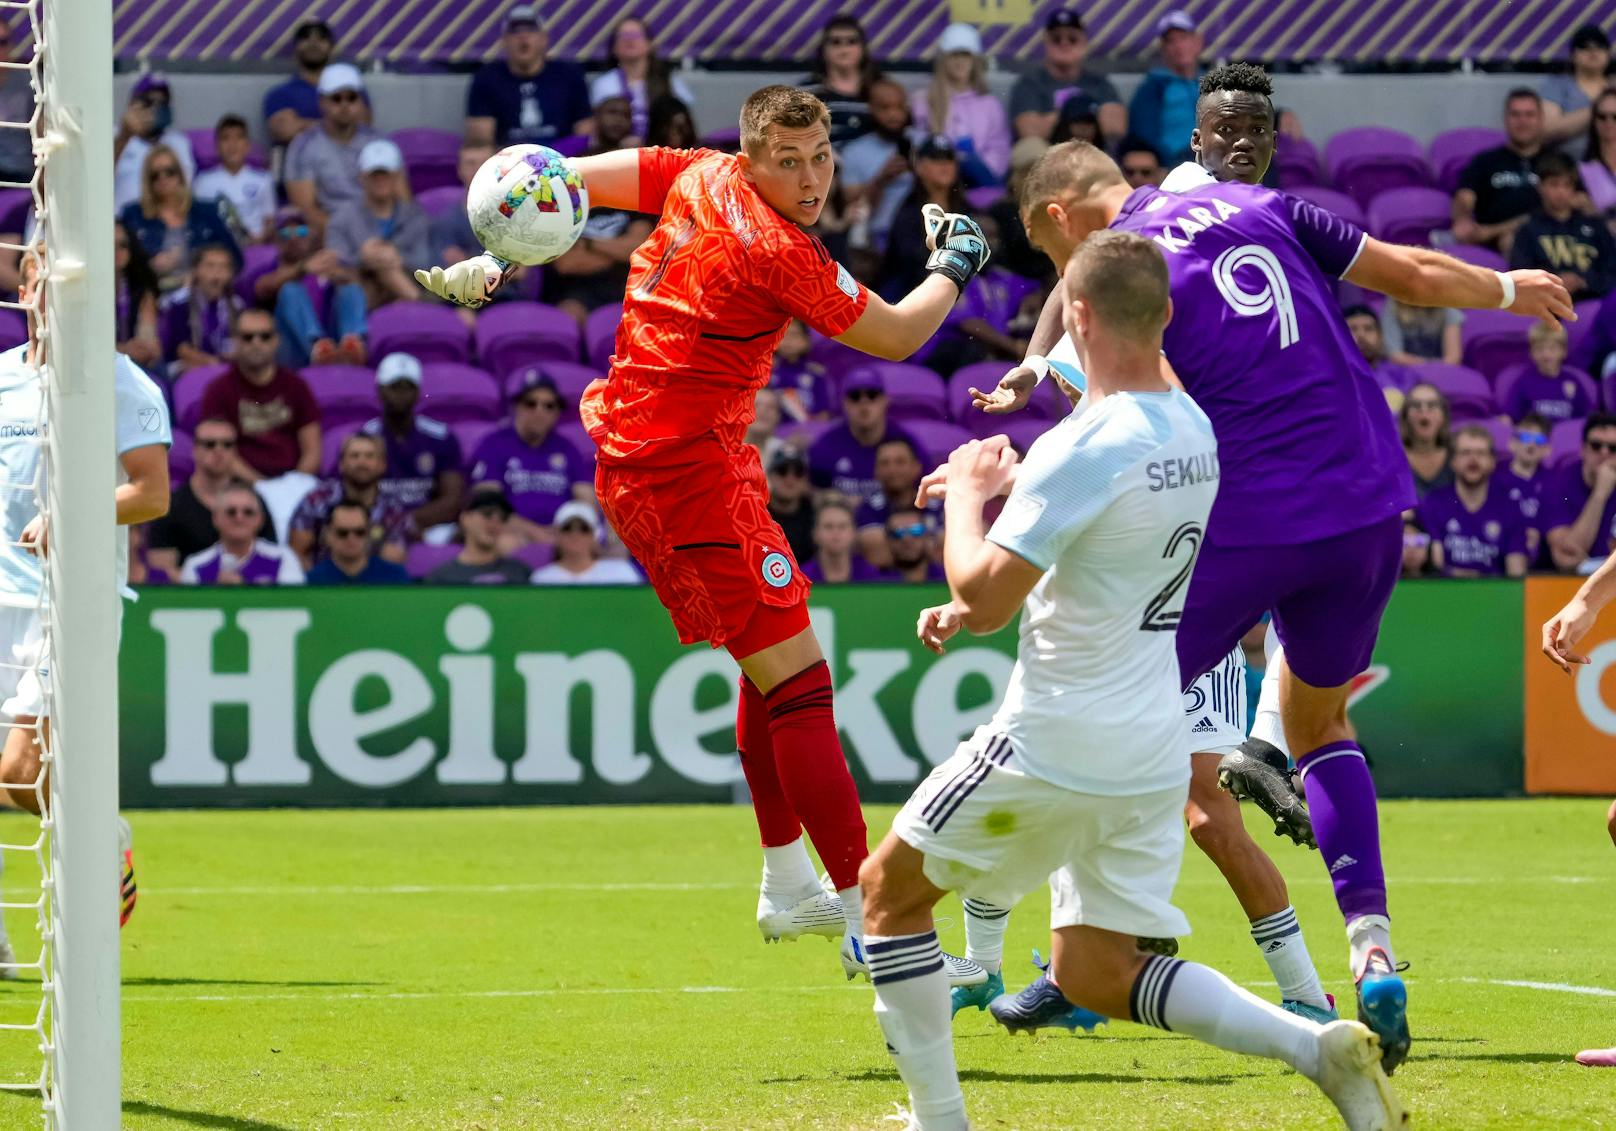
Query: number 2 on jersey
point(1274, 294)
point(1186, 543)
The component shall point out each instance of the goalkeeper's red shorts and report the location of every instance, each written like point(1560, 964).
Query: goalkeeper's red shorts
point(704, 536)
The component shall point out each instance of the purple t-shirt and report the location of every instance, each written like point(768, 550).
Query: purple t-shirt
point(1524, 493)
point(388, 520)
point(1390, 375)
point(1565, 396)
point(838, 461)
point(1306, 446)
point(537, 479)
point(934, 572)
point(859, 570)
point(873, 512)
point(1475, 541)
point(261, 567)
point(415, 461)
point(1563, 495)
point(807, 379)
point(205, 325)
point(994, 296)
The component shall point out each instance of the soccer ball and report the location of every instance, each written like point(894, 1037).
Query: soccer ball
point(527, 204)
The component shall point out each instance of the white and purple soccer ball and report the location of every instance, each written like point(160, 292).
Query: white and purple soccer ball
point(527, 204)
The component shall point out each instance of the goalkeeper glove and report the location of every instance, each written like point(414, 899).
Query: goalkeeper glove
point(471, 282)
point(958, 248)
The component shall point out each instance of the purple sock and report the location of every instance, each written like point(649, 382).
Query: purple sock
point(1341, 800)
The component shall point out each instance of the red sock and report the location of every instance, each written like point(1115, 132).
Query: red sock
point(777, 820)
point(813, 771)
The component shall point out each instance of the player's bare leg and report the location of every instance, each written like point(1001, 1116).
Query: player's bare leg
point(1341, 799)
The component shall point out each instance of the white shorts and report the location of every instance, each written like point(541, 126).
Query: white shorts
point(24, 663)
point(1215, 707)
point(991, 831)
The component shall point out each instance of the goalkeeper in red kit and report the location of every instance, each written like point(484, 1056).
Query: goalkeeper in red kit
point(710, 294)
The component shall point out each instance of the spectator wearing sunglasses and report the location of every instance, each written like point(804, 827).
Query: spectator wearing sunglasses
point(538, 469)
point(482, 530)
point(147, 121)
point(293, 106)
point(1578, 506)
point(1521, 479)
point(244, 193)
point(319, 311)
point(170, 224)
point(277, 422)
point(1476, 531)
point(1038, 96)
point(188, 527)
point(843, 459)
point(790, 501)
point(322, 164)
point(348, 559)
point(844, 73)
point(360, 468)
point(578, 558)
point(1546, 385)
point(240, 556)
point(912, 547)
point(897, 477)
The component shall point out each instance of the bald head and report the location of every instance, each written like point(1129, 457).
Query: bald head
point(1121, 279)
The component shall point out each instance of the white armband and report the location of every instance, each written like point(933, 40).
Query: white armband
point(1509, 290)
point(1038, 364)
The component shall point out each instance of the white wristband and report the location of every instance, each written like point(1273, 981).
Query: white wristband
point(1509, 290)
point(1038, 364)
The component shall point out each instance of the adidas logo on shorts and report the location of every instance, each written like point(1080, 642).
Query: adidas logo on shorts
point(1205, 726)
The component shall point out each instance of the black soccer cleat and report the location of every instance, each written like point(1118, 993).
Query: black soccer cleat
point(1260, 771)
point(1167, 948)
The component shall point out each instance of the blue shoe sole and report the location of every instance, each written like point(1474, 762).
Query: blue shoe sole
point(1383, 1006)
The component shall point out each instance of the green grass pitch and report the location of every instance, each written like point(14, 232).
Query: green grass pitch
point(599, 968)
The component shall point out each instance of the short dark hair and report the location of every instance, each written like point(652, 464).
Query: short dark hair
point(1535, 419)
point(222, 420)
point(835, 503)
point(910, 509)
point(230, 122)
point(347, 504)
point(235, 318)
point(1597, 420)
point(365, 437)
point(1246, 77)
point(904, 440)
point(1133, 143)
point(1518, 92)
point(1478, 432)
point(1359, 310)
point(1123, 279)
point(1555, 164)
point(205, 249)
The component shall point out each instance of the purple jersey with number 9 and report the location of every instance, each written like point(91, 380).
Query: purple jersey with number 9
point(1307, 446)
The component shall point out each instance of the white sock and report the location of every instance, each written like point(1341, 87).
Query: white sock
point(911, 1004)
point(1267, 726)
point(1364, 934)
point(985, 925)
point(1186, 997)
point(788, 873)
point(853, 912)
point(1279, 937)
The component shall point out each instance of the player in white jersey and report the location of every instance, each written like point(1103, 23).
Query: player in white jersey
point(1082, 769)
point(143, 438)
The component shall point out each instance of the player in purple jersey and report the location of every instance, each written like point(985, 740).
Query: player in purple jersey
point(1308, 519)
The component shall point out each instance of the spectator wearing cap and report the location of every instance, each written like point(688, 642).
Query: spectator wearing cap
point(348, 559)
point(578, 558)
point(593, 272)
point(1475, 529)
point(240, 556)
point(322, 163)
point(874, 167)
point(188, 526)
point(1163, 108)
point(1498, 188)
point(843, 459)
point(148, 120)
point(360, 467)
point(16, 105)
point(834, 561)
point(319, 311)
point(243, 194)
point(1546, 386)
point(277, 422)
point(482, 533)
point(1366, 334)
point(451, 234)
point(844, 72)
point(1578, 508)
point(911, 537)
point(538, 469)
point(790, 502)
point(1038, 95)
point(1140, 163)
point(1559, 238)
point(937, 181)
point(526, 97)
point(293, 106)
point(382, 237)
point(635, 71)
point(194, 322)
point(897, 479)
point(424, 473)
point(169, 223)
point(802, 382)
point(957, 104)
point(1568, 97)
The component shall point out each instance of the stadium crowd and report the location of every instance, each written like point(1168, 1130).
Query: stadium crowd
point(335, 425)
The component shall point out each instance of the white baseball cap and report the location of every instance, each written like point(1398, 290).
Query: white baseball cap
point(396, 367)
point(575, 509)
point(340, 76)
point(1176, 20)
point(959, 37)
point(380, 155)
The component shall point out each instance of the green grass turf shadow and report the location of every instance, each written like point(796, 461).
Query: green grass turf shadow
point(203, 1118)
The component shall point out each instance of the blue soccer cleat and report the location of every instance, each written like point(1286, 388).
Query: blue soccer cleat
point(1042, 1006)
point(980, 995)
point(1312, 1012)
point(1383, 1006)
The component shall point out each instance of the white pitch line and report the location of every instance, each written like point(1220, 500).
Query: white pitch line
point(1552, 987)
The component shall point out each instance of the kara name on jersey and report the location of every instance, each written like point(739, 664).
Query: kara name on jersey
point(1198, 220)
point(1165, 475)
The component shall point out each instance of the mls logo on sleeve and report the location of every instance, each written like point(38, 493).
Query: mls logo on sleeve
point(149, 420)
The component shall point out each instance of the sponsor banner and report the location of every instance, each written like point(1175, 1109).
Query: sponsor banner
point(434, 696)
point(1570, 719)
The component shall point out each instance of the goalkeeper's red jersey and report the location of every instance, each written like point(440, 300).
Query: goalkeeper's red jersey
point(709, 296)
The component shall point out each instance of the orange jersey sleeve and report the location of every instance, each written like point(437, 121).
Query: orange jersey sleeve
point(659, 167)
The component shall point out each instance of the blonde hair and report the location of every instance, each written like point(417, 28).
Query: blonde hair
point(148, 197)
point(1072, 170)
point(784, 106)
point(1543, 332)
point(937, 95)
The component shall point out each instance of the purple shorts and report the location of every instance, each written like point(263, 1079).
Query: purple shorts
point(1327, 598)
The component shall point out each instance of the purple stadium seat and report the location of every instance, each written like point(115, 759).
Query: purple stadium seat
point(203, 147)
point(535, 555)
point(1366, 161)
point(510, 334)
point(423, 559)
point(571, 379)
point(1297, 162)
point(1587, 312)
point(1409, 215)
point(15, 205)
point(331, 445)
point(444, 198)
point(600, 335)
point(1452, 150)
point(571, 429)
point(431, 157)
point(1565, 441)
point(1331, 201)
point(1022, 431)
point(573, 145)
point(1480, 256)
point(1494, 340)
point(727, 140)
point(803, 434)
point(985, 375)
point(1505, 381)
point(470, 433)
point(429, 331)
point(913, 392)
point(985, 197)
point(346, 394)
point(13, 329)
point(257, 260)
point(181, 457)
point(452, 391)
point(1469, 394)
point(835, 357)
point(186, 395)
point(1501, 434)
point(936, 439)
